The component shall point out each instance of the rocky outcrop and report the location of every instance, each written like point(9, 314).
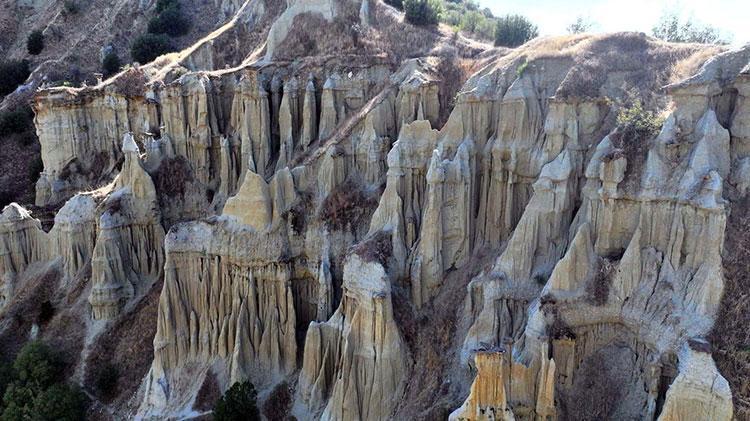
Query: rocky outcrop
point(355, 364)
point(22, 243)
point(127, 257)
point(499, 379)
point(698, 391)
point(318, 214)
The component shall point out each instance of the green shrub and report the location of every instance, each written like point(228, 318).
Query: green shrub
point(18, 402)
point(105, 380)
point(636, 122)
point(37, 366)
point(111, 63)
point(162, 5)
point(147, 47)
point(35, 42)
point(171, 21)
point(422, 12)
point(514, 30)
point(398, 4)
point(71, 7)
point(239, 403)
point(60, 402)
point(12, 74)
point(35, 168)
point(18, 120)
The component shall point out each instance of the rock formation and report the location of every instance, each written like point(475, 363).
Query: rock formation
point(304, 220)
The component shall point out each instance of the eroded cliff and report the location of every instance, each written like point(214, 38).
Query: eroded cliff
point(550, 245)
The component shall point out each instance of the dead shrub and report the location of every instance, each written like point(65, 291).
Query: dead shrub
point(376, 248)
point(348, 205)
point(597, 289)
point(297, 214)
point(172, 176)
point(558, 329)
point(113, 205)
point(453, 72)
point(105, 381)
point(279, 402)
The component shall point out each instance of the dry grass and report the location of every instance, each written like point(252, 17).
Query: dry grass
point(690, 65)
point(208, 394)
point(131, 83)
point(21, 311)
point(127, 345)
point(730, 336)
point(279, 402)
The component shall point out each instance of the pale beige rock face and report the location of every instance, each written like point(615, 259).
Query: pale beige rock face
point(74, 234)
point(22, 242)
point(127, 257)
point(252, 205)
point(80, 135)
point(699, 392)
point(227, 298)
point(356, 361)
point(520, 171)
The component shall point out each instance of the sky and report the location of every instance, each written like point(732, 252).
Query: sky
point(553, 16)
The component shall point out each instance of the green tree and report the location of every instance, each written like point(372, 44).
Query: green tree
point(37, 366)
point(580, 26)
point(147, 47)
point(398, 4)
point(60, 402)
point(422, 12)
point(514, 30)
point(35, 42)
point(239, 403)
point(111, 63)
point(670, 28)
point(170, 21)
point(18, 402)
point(12, 74)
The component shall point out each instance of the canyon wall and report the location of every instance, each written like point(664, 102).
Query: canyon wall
point(336, 225)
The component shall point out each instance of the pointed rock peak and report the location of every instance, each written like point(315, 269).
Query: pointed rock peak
point(129, 145)
point(435, 173)
point(332, 81)
point(420, 112)
point(252, 203)
point(310, 83)
point(14, 212)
